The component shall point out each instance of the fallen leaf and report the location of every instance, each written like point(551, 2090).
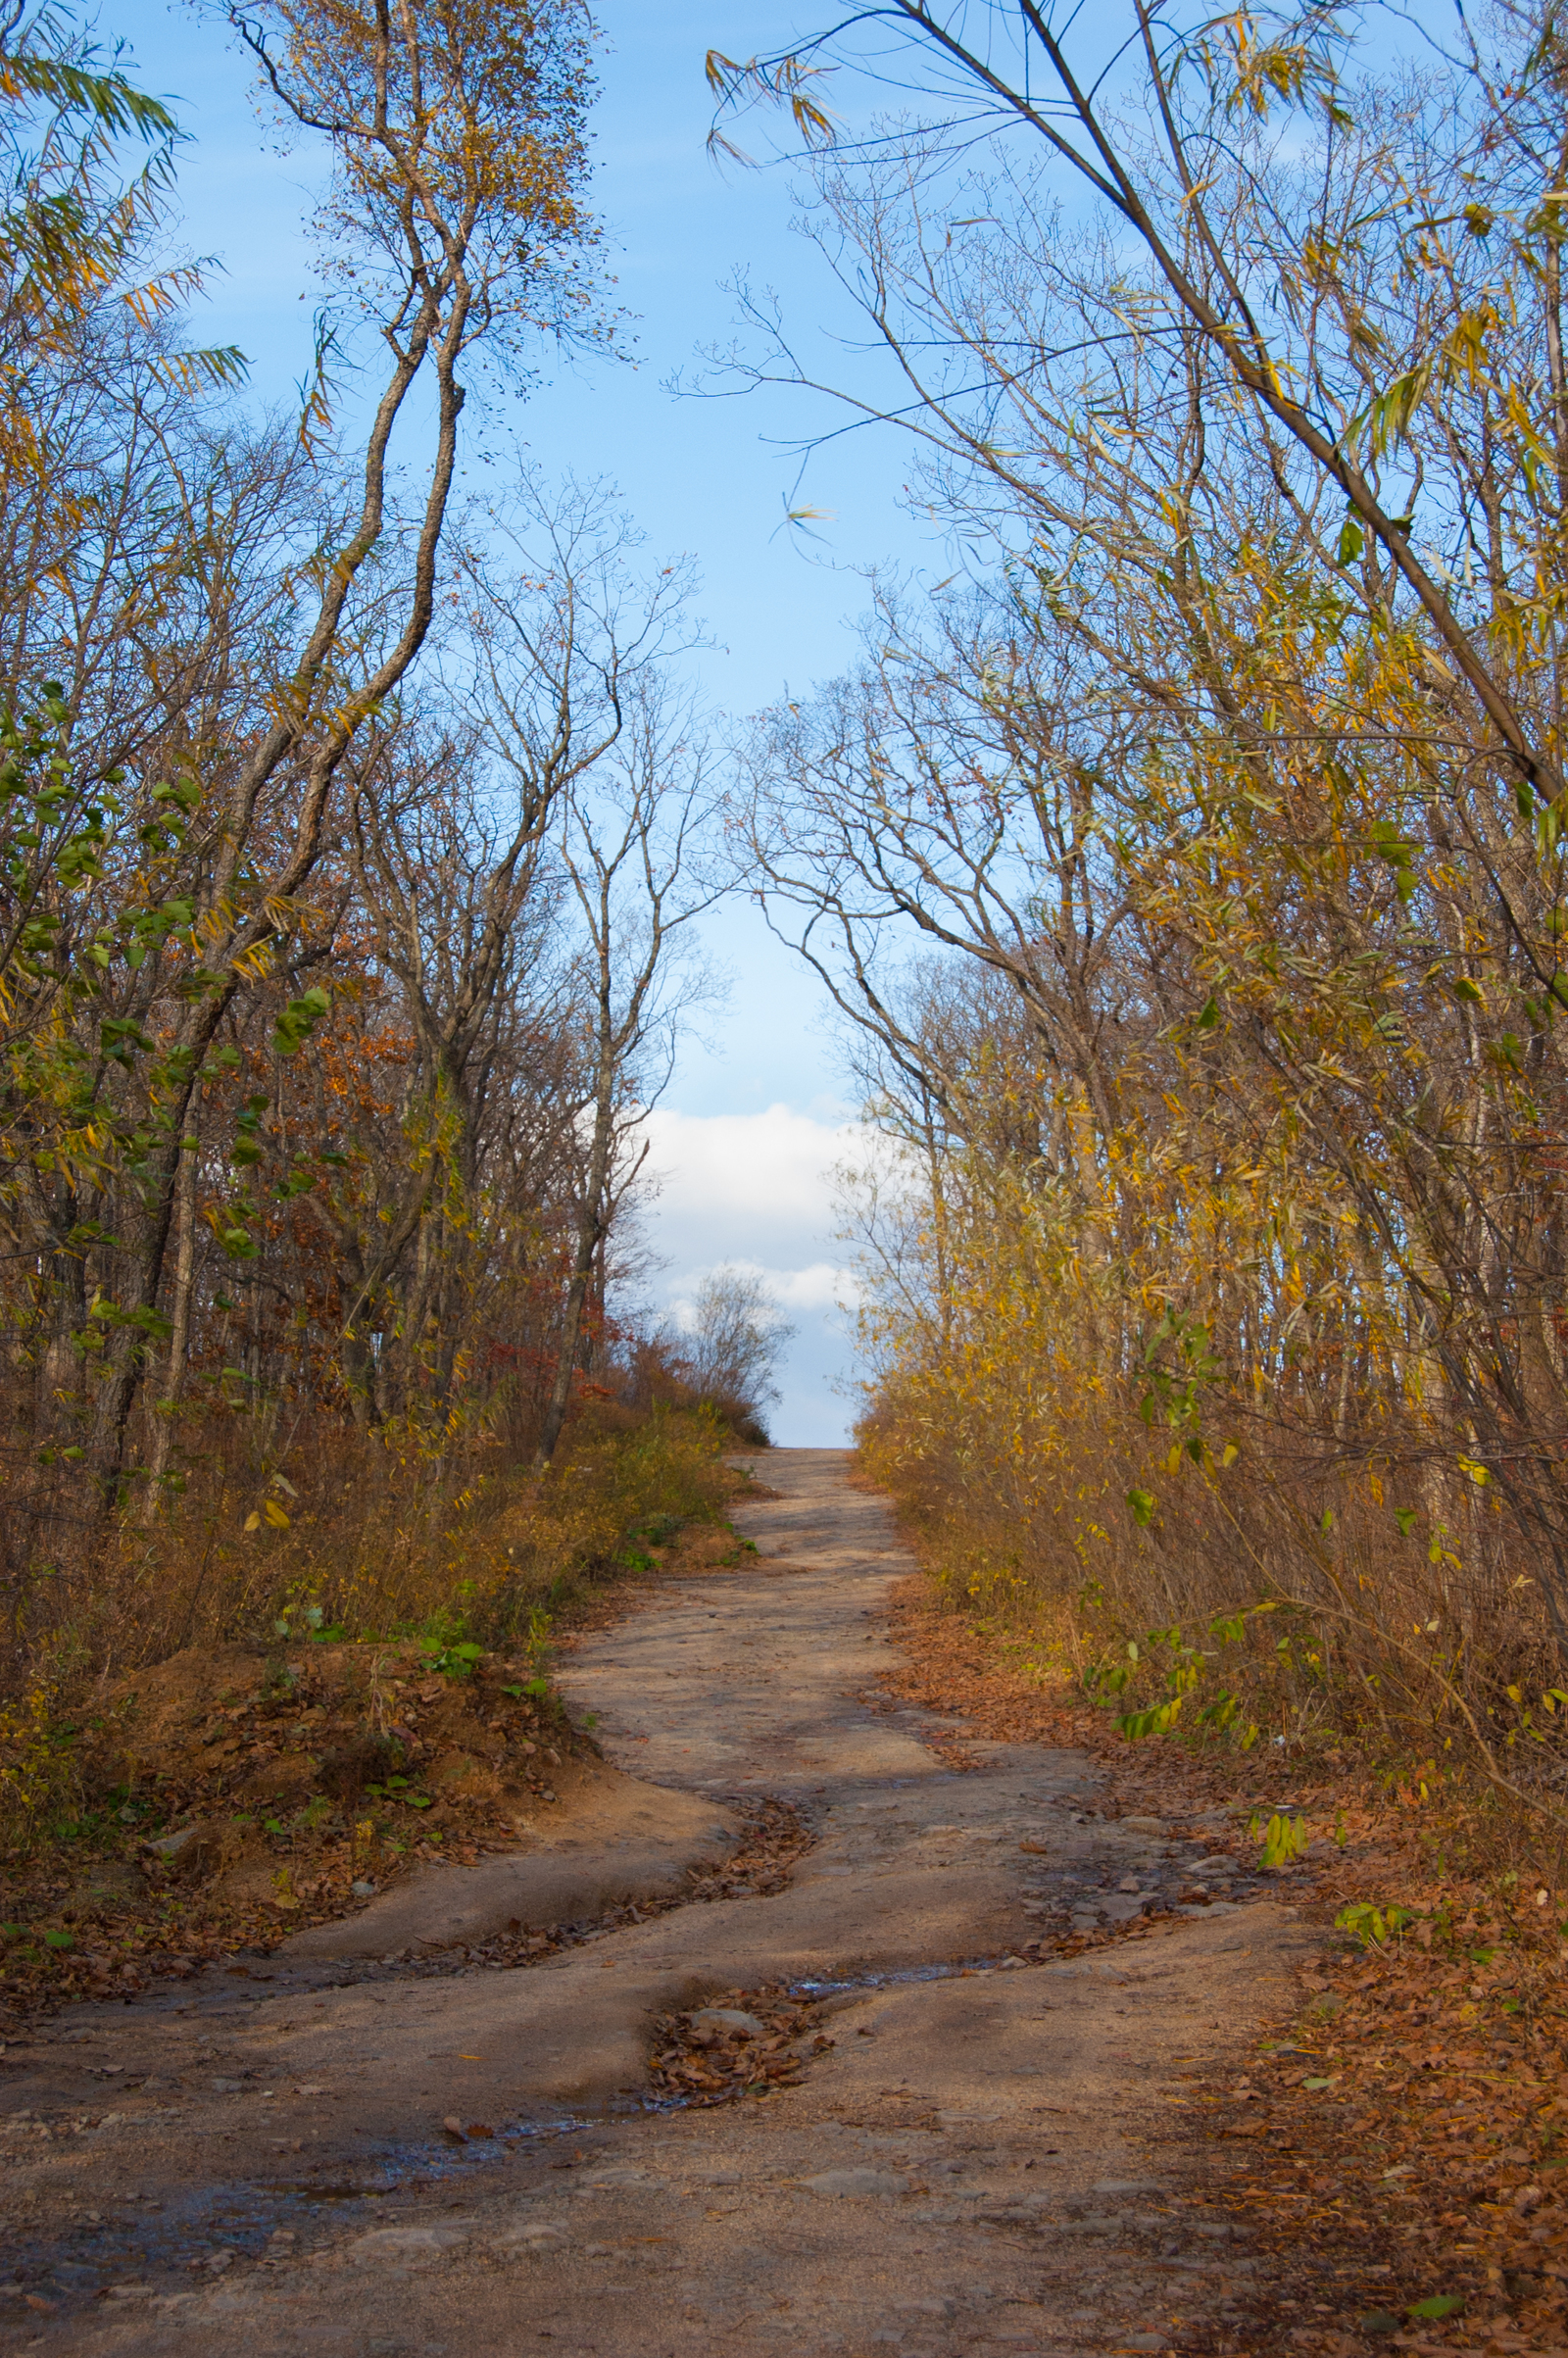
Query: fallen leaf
point(454, 2127)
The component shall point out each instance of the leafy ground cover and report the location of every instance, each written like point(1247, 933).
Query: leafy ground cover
point(226, 1798)
point(1406, 2138)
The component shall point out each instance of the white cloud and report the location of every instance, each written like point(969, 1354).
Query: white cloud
point(821, 1287)
point(753, 1171)
point(756, 1190)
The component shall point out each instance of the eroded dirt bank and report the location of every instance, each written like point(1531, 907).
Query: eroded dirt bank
point(981, 2160)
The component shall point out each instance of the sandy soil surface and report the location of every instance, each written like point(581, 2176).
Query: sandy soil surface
point(982, 2150)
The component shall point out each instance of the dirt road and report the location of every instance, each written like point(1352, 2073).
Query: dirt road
point(986, 2158)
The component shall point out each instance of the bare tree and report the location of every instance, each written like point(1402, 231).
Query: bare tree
point(636, 847)
point(1237, 769)
point(1161, 116)
point(735, 1340)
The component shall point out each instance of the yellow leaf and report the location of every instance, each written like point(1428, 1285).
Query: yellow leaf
point(276, 1516)
point(253, 1522)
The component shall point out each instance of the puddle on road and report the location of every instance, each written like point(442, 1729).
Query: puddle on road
point(176, 2239)
point(902, 1976)
point(179, 2239)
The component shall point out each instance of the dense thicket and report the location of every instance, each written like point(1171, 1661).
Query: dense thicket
point(1224, 1262)
point(347, 843)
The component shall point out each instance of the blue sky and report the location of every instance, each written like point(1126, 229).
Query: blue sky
point(756, 1115)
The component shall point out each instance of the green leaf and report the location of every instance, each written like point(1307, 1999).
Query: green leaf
point(299, 1020)
point(1141, 1503)
point(1284, 1839)
point(1388, 416)
point(1372, 1926)
point(1440, 2304)
point(1157, 1721)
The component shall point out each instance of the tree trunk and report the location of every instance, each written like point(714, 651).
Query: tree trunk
point(162, 1433)
point(590, 1236)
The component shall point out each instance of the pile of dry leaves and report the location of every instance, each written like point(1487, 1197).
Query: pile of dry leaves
point(1412, 2124)
point(745, 2043)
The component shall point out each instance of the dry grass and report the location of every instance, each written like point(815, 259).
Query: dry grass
point(291, 1787)
point(372, 1535)
point(1291, 1603)
point(300, 1765)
